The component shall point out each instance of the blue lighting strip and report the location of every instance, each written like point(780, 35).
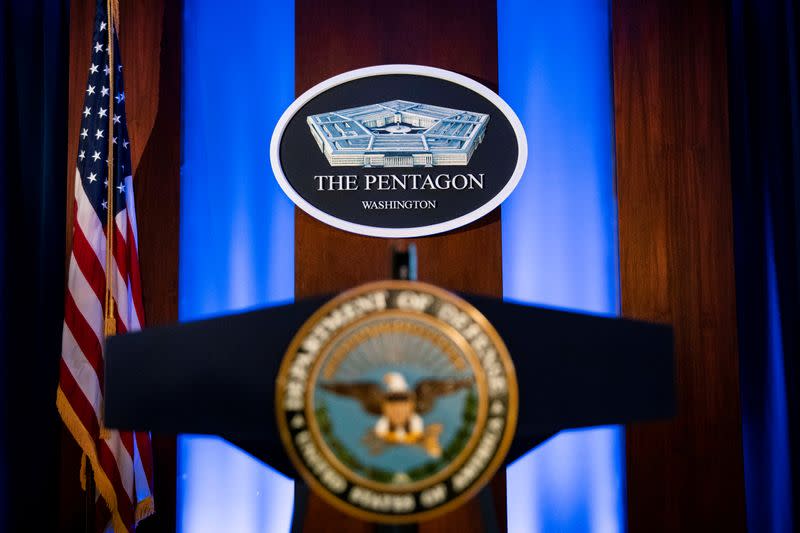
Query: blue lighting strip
point(560, 237)
point(237, 234)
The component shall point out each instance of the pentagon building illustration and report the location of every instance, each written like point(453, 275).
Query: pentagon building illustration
point(398, 134)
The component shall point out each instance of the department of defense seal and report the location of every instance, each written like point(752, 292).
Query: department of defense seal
point(396, 401)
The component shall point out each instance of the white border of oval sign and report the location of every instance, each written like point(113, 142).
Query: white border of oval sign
point(382, 70)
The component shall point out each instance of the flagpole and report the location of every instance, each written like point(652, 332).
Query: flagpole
point(110, 323)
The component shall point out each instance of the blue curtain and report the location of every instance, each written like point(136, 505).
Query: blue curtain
point(33, 143)
point(765, 148)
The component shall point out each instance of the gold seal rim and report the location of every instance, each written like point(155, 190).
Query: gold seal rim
point(502, 448)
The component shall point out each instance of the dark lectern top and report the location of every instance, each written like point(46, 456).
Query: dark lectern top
point(218, 376)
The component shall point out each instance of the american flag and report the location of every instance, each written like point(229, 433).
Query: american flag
point(121, 461)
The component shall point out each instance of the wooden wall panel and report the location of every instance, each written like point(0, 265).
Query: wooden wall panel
point(676, 256)
point(456, 35)
point(150, 42)
point(327, 259)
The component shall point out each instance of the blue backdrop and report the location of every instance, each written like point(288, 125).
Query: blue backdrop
point(237, 233)
point(559, 232)
point(560, 236)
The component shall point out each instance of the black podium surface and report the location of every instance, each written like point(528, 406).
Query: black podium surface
point(217, 376)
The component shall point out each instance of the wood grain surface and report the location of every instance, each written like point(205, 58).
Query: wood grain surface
point(676, 257)
point(458, 36)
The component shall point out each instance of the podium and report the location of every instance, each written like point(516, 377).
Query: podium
point(217, 376)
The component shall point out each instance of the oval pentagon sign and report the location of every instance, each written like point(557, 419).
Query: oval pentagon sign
point(398, 151)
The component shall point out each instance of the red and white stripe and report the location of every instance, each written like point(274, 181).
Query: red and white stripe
point(121, 461)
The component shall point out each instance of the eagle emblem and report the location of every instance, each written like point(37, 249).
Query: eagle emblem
point(396, 401)
point(400, 409)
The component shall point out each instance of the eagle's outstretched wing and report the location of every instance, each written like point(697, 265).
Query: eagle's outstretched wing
point(428, 390)
point(370, 394)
